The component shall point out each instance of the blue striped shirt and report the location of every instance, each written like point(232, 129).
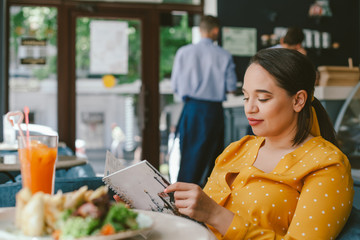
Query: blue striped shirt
point(203, 71)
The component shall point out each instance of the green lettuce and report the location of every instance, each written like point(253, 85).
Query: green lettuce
point(75, 227)
point(121, 218)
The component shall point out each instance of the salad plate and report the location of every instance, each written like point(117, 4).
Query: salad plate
point(8, 230)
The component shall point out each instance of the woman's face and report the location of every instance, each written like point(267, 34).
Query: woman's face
point(269, 108)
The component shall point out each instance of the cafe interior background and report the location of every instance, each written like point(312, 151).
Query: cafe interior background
point(97, 72)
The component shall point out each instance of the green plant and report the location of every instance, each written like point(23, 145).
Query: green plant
point(39, 23)
point(171, 39)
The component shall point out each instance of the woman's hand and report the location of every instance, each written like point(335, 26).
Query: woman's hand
point(193, 202)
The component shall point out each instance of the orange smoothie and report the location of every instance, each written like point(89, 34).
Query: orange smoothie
point(38, 166)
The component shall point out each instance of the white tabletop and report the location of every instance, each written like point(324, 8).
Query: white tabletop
point(172, 227)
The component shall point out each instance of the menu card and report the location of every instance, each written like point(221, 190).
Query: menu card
point(141, 186)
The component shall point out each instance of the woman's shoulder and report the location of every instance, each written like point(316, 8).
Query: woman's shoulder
point(321, 145)
point(324, 150)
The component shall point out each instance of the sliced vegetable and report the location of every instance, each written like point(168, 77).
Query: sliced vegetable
point(107, 229)
point(56, 234)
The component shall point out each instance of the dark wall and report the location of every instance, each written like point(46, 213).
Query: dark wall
point(265, 15)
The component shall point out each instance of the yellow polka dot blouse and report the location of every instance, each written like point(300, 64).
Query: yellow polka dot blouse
point(308, 195)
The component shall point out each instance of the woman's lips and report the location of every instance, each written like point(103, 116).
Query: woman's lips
point(254, 122)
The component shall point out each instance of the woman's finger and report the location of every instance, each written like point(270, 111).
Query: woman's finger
point(180, 186)
point(182, 203)
point(183, 194)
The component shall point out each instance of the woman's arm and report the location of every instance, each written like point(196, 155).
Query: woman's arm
point(324, 205)
point(193, 202)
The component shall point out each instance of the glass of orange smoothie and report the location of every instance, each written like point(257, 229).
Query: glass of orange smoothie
point(37, 155)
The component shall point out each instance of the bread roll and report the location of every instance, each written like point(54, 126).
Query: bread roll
point(22, 198)
point(32, 216)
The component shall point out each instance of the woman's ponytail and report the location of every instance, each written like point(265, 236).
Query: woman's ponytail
point(326, 127)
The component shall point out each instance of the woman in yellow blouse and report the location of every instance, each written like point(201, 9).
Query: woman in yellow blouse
point(290, 181)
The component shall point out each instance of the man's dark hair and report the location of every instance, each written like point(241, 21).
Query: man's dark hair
point(208, 22)
point(294, 36)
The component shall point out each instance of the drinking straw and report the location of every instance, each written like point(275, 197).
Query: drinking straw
point(20, 119)
point(26, 111)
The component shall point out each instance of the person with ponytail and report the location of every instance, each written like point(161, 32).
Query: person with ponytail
point(290, 180)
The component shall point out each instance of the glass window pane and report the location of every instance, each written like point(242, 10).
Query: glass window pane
point(108, 81)
point(33, 63)
point(175, 34)
point(349, 130)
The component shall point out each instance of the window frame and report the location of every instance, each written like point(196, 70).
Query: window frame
point(68, 11)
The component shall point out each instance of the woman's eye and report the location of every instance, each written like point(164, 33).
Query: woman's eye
point(263, 99)
point(246, 98)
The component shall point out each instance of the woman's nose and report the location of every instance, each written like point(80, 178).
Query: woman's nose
point(251, 106)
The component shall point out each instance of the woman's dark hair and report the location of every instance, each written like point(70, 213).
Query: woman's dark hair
point(293, 72)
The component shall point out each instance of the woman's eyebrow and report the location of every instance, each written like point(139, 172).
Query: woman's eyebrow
point(259, 91)
point(263, 91)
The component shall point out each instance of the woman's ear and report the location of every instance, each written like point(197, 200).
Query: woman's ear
point(299, 100)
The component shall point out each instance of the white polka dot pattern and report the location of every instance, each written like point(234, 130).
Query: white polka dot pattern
point(307, 196)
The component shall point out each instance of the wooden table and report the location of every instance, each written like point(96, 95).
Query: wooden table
point(10, 163)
